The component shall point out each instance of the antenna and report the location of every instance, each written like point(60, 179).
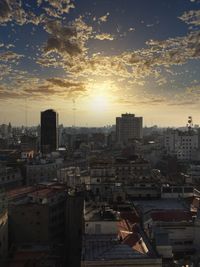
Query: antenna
point(26, 115)
point(74, 113)
point(190, 123)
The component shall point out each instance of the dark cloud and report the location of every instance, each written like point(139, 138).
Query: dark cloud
point(65, 83)
point(67, 40)
point(5, 11)
point(62, 47)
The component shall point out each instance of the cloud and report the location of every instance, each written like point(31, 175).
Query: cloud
point(67, 47)
point(24, 86)
point(104, 36)
point(5, 70)
point(79, 86)
point(136, 100)
point(12, 10)
point(5, 11)
point(58, 7)
point(103, 18)
point(6, 93)
point(9, 56)
point(194, 90)
point(55, 44)
point(67, 40)
point(182, 103)
point(191, 17)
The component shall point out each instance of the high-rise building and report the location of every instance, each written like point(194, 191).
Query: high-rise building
point(128, 128)
point(49, 131)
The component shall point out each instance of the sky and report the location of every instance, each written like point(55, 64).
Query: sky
point(92, 60)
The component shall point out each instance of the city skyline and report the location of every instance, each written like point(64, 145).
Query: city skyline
point(92, 61)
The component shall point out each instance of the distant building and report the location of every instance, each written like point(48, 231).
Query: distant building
point(49, 131)
point(128, 128)
point(70, 176)
point(10, 177)
point(181, 144)
point(37, 171)
point(29, 142)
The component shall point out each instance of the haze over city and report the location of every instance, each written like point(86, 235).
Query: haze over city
point(102, 58)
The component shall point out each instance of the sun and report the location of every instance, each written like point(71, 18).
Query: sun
point(100, 96)
point(100, 102)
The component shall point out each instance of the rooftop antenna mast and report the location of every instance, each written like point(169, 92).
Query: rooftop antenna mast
point(74, 113)
point(190, 123)
point(26, 115)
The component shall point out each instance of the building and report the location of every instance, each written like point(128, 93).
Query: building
point(181, 144)
point(42, 170)
point(10, 177)
point(128, 128)
point(34, 255)
point(29, 142)
point(39, 217)
point(111, 241)
point(49, 131)
point(47, 215)
point(178, 227)
point(3, 227)
point(70, 176)
point(194, 173)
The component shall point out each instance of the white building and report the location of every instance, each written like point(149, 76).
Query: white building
point(71, 176)
point(181, 144)
point(178, 225)
point(42, 170)
point(128, 127)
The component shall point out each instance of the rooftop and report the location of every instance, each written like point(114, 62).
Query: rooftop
point(107, 247)
point(171, 216)
point(101, 214)
point(19, 192)
point(146, 206)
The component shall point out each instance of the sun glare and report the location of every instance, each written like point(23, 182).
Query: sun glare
point(100, 102)
point(100, 96)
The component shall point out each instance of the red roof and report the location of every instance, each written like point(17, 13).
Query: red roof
point(130, 235)
point(171, 215)
point(19, 192)
point(45, 192)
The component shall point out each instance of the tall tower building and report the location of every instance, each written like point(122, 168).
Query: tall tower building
point(49, 131)
point(128, 127)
